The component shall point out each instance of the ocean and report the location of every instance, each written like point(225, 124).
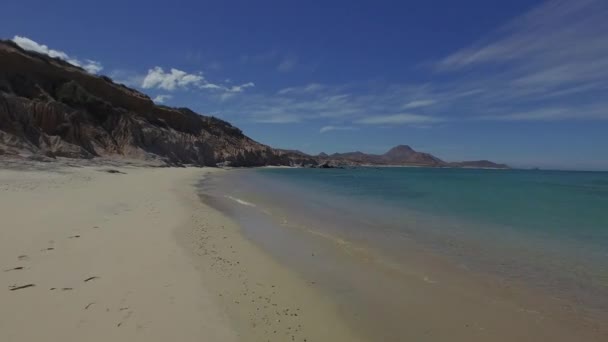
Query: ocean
point(545, 231)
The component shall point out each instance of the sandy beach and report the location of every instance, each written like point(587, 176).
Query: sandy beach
point(133, 255)
point(104, 251)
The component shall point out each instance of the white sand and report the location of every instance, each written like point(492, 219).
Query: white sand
point(165, 266)
point(116, 227)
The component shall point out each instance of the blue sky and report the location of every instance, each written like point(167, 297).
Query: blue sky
point(521, 82)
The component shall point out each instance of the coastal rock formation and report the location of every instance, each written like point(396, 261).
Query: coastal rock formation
point(50, 108)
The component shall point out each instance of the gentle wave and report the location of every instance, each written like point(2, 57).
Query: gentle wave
point(240, 201)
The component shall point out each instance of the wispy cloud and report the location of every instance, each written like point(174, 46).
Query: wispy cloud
point(89, 65)
point(418, 103)
point(337, 106)
point(399, 119)
point(553, 59)
point(240, 88)
point(175, 79)
point(330, 128)
point(541, 35)
point(310, 88)
point(587, 112)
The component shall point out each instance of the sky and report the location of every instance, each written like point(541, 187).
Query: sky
point(519, 82)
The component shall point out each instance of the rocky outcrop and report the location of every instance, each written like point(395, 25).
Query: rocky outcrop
point(50, 107)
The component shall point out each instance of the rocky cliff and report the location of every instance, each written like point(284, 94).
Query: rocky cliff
point(50, 107)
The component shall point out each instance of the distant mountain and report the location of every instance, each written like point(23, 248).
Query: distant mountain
point(52, 108)
point(402, 155)
point(398, 155)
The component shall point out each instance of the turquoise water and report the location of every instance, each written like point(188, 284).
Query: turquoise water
point(545, 229)
point(556, 204)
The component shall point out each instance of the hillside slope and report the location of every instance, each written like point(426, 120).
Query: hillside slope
point(50, 107)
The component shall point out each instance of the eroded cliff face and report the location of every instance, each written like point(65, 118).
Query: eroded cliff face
point(50, 107)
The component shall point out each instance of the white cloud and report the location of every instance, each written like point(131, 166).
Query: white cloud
point(287, 64)
point(310, 88)
point(158, 78)
point(240, 88)
point(399, 119)
point(326, 129)
point(175, 79)
point(162, 98)
point(25, 43)
point(418, 103)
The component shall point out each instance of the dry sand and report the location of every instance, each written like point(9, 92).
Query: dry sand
point(87, 255)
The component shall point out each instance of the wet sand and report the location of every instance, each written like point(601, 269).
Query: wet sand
point(415, 295)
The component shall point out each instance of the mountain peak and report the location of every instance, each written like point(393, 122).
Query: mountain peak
point(400, 150)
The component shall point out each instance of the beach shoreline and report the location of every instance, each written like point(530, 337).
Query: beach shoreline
point(420, 295)
point(129, 253)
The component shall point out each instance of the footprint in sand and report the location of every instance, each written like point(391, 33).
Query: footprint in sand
point(15, 288)
point(90, 278)
point(19, 268)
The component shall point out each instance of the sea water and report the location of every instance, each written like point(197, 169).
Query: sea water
point(545, 229)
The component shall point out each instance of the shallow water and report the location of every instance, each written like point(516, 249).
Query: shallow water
point(547, 230)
